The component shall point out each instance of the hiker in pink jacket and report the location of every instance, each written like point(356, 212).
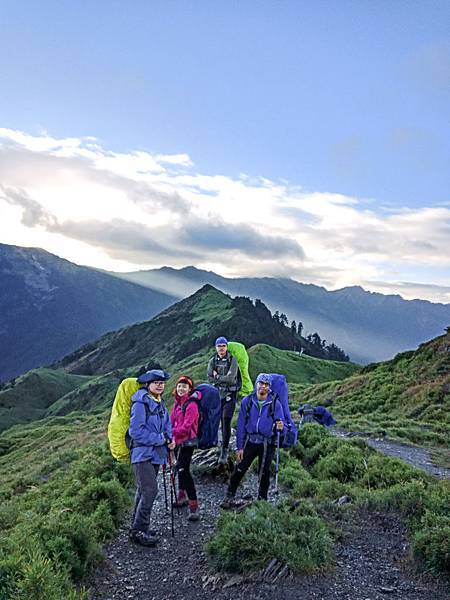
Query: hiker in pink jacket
point(185, 419)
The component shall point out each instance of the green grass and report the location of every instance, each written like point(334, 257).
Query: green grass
point(297, 369)
point(28, 397)
point(314, 474)
point(407, 398)
point(62, 495)
point(247, 542)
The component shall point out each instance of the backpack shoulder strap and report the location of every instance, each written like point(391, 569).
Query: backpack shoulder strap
point(248, 408)
point(186, 404)
point(271, 411)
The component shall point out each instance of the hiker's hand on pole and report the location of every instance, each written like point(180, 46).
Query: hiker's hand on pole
point(239, 455)
point(171, 444)
point(280, 425)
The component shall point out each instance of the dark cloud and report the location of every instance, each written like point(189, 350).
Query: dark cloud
point(242, 238)
point(151, 199)
point(125, 239)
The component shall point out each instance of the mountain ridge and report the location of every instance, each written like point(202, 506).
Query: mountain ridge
point(369, 325)
point(50, 306)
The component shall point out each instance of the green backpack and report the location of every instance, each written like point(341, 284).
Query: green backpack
point(239, 351)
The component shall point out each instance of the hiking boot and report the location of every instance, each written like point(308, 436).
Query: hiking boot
point(182, 499)
point(223, 458)
point(142, 538)
point(227, 502)
point(194, 511)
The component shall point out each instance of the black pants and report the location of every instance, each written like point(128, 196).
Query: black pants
point(251, 451)
point(185, 480)
point(228, 407)
point(147, 489)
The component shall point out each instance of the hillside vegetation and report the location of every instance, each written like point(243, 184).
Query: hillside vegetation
point(62, 495)
point(180, 339)
point(300, 533)
point(297, 368)
point(407, 397)
point(188, 327)
point(27, 398)
point(46, 392)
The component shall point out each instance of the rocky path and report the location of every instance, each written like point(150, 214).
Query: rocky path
point(414, 455)
point(371, 562)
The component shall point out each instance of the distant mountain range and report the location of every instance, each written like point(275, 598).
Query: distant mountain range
point(179, 339)
point(367, 325)
point(50, 306)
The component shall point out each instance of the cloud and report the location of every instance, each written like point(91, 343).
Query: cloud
point(243, 238)
point(411, 290)
point(125, 239)
point(33, 214)
point(131, 210)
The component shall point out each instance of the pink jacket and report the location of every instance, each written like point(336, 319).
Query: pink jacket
point(184, 422)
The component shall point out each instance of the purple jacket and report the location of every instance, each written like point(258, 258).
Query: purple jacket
point(258, 425)
point(150, 428)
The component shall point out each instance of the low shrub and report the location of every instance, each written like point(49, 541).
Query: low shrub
point(55, 529)
point(246, 542)
point(345, 464)
point(431, 544)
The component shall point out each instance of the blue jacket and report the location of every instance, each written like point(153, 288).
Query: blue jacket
point(150, 428)
point(259, 425)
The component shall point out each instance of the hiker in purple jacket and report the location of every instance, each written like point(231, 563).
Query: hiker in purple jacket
point(150, 436)
point(260, 417)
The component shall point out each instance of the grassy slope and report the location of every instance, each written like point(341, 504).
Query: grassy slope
point(61, 496)
point(297, 369)
point(98, 392)
point(58, 478)
point(186, 329)
point(407, 397)
point(31, 394)
point(179, 331)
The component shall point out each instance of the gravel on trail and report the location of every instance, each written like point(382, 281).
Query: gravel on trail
point(371, 561)
point(416, 456)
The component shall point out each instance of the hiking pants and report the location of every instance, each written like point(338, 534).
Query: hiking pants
point(147, 489)
point(228, 407)
point(251, 451)
point(185, 481)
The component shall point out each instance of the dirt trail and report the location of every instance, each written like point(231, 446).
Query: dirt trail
point(371, 562)
point(414, 455)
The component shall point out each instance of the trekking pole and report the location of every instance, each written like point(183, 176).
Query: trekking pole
point(165, 488)
point(173, 494)
point(172, 478)
point(277, 463)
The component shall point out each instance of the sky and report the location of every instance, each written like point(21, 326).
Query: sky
point(304, 139)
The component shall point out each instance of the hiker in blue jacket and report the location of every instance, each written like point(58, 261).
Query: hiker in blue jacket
point(150, 436)
point(260, 417)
